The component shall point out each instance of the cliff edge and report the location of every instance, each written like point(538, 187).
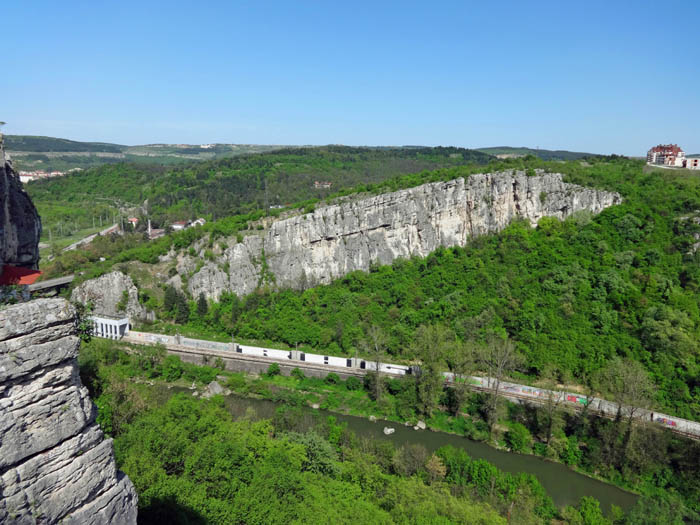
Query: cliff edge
point(55, 465)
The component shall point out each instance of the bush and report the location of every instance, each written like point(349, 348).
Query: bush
point(202, 374)
point(273, 370)
point(518, 438)
point(332, 379)
point(298, 374)
point(236, 382)
point(172, 368)
point(353, 383)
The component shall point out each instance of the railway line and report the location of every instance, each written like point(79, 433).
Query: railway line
point(257, 359)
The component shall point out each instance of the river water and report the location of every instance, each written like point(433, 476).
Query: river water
point(563, 485)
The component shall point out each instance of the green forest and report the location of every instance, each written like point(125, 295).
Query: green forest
point(235, 185)
point(573, 295)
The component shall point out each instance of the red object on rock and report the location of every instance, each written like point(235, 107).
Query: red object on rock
point(16, 275)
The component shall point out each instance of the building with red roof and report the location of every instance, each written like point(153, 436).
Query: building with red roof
point(666, 155)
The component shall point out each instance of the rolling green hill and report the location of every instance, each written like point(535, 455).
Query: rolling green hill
point(544, 154)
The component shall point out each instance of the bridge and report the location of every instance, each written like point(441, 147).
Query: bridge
point(48, 284)
point(258, 359)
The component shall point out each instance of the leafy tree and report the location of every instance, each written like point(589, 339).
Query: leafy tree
point(432, 343)
point(630, 387)
point(498, 357)
point(374, 345)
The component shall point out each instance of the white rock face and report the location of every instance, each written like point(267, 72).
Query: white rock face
point(55, 465)
point(333, 241)
point(106, 294)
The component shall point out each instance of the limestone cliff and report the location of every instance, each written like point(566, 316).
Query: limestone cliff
point(112, 294)
point(332, 241)
point(20, 226)
point(55, 465)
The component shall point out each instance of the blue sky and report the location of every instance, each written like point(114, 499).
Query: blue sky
point(611, 76)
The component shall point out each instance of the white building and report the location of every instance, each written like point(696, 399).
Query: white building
point(109, 327)
point(692, 163)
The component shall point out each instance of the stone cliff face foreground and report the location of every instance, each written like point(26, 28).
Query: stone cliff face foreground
point(55, 465)
point(20, 226)
point(319, 247)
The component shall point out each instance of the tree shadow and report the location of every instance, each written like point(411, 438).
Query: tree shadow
point(168, 511)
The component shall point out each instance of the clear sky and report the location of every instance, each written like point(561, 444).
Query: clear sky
point(600, 76)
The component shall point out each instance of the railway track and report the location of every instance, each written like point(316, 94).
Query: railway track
point(258, 359)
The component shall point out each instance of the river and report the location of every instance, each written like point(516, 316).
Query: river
point(564, 486)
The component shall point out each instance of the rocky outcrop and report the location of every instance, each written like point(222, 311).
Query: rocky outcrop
point(20, 226)
point(332, 241)
point(113, 294)
point(55, 465)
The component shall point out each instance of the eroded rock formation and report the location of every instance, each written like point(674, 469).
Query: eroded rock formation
point(20, 226)
point(112, 294)
point(332, 241)
point(55, 465)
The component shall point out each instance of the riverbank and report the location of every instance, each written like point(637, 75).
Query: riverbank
point(565, 486)
point(577, 443)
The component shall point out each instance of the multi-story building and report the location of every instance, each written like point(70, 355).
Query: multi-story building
point(666, 155)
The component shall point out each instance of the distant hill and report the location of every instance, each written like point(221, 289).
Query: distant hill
point(55, 154)
point(51, 144)
point(544, 154)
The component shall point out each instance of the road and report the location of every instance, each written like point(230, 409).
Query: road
point(112, 229)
